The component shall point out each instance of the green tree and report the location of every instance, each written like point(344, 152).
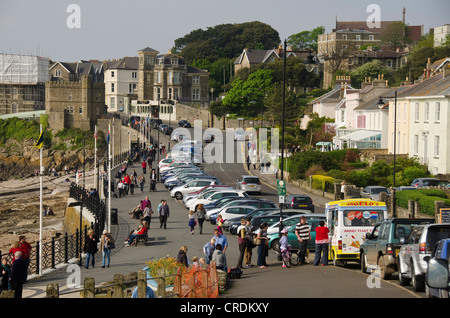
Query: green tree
point(247, 97)
point(396, 35)
point(306, 39)
point(370, 69)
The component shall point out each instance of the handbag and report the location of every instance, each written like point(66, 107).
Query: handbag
point(257, 241)
point(112, 245)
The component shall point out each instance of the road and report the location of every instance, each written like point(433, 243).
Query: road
point(272, 282)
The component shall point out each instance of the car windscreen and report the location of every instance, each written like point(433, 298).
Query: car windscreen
point(379, 190)
point(362, 217)
point(251, 180)
point(435, 234)
point(302, 200)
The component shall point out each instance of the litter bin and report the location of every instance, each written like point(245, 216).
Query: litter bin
point(114, 217)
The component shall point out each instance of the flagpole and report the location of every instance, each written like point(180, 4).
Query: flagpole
point(95, 160)
point(40, 206)
point(109, 184)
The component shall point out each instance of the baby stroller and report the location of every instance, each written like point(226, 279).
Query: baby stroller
point(152, 185)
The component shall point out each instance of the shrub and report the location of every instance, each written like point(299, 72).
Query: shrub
point(425, 197)
point(323, 183)
point(169, 264)
point(412, 173)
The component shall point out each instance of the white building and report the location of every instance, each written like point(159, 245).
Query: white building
point(440, 34)
point(121, 79)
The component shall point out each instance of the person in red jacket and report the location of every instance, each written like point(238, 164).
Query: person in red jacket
point(322, 242)
point(127, 181)
point(25, 248)
point(144, 167)
point(140, 231)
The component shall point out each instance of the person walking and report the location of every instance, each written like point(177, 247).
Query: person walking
point(147, 215)
point(303, 235)
point(18, 274)
point(153, 180)
point(90, 248)
point(343, 190)
point(106, 243)
point(322, 242)
point(219, 222)
point(163, 212)
point(192, 223)
point(141, 180)
point(144, 167)
point(261, 242)
point(208, 250)
point(201, 215)
point(250, 244)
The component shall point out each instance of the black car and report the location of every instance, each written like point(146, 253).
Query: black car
point(184, 123)
point(155, 122)
point(295, 201)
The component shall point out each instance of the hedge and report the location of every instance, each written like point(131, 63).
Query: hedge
point(425, 197)
point(323, 183)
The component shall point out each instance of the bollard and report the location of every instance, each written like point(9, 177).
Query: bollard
point(161, 280)
point(142, 284)
point(52, 291)
point(89, 288)
point(118, 287)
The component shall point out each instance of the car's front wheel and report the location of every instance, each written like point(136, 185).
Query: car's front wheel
point(178, 196)
point(417, 281)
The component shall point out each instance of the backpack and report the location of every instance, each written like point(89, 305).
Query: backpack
point(234, 272)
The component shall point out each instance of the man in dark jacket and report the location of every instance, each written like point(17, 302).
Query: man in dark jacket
point(18, 274)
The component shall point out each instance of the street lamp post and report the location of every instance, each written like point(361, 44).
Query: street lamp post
point(381, 104)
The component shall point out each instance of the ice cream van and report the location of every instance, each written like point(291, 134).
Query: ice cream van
point(349, 221)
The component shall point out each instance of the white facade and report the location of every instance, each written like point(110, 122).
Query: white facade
point(430, 132)
point(440, 34)
point(119, 82)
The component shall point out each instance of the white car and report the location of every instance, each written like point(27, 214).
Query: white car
point(175, 165)
point(249, 183)
point(194, 185)
point(294, 220)
point(236, 211)
point(194, 195)
point(213, 196)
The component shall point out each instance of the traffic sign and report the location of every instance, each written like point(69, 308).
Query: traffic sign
point(281, 187)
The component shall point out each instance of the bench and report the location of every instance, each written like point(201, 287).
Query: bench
point(141, 238)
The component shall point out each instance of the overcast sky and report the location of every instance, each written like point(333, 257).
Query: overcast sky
point(117, 28)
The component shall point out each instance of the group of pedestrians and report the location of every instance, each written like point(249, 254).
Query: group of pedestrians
point(14, 276)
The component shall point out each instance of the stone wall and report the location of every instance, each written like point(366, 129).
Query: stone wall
point(72, 218)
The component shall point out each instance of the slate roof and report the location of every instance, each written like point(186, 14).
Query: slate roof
point(149, 50)
point(126, 63)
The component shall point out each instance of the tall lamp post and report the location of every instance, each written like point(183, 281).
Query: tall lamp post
point(309, 65)
point(380, 105)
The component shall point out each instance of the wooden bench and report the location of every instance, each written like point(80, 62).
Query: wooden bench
point(141, 238)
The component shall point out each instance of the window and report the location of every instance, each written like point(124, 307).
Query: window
point(437, 112)
point(80, 110)
point(174, 61)
point(176, 78)
point(57, 73)
point(112, 73)
point(358, 37)
point(113, 102)
point(416, 144)
point(371, 38)
point(112, 87)
point(436, 146)
point(149, 59)
point(427, 112)
point(131, 87)
point(169, 93)
point(196, 79)
point(195, 94)
point(416, 112)
point(344, 37)
point(69, 97)
point(133, 74)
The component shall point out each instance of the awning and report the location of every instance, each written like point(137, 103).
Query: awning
point(360, 135)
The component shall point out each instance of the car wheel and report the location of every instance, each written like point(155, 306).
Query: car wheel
point(276, 245)
point(417, 281)
point(178, 196)
point(402, 280)
point(382, 268)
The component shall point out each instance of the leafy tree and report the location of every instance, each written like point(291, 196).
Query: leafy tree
point(396, 35)
point(306, 39)
point(274, 104)
point(247, 97)
point(370, 69)
point(226, 41)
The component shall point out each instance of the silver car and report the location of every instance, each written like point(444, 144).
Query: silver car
point(249, 184)
point(420, 243)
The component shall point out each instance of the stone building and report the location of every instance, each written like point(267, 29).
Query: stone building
point(74, 104)
point(22, 83)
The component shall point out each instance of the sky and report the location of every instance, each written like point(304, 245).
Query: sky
point(112, 29)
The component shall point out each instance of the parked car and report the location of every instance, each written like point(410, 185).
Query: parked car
point(236, 211)
point(438, 273)
point(373, 192)
point(412, 266)
point(428, 182)
point(194, 185)
point(231, 225)
point(297, 201)
point(249, 184)
point(208, 138)
point(184, 123)
point(260, 204)
point(294, 219)
point(193, 204)
point(165, 129)
point(274, 238)
point(155, 122)
point(381, 246)
point(403, 188)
